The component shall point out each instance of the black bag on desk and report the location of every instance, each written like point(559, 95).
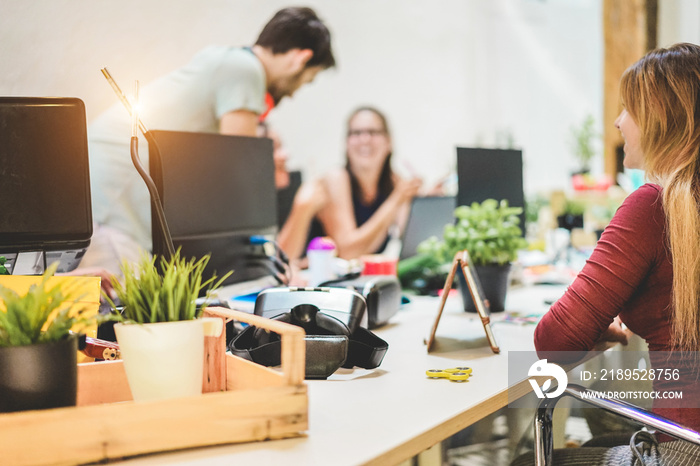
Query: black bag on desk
point(330, 342)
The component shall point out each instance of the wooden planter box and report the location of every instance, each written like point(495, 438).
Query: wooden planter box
point(245, 402)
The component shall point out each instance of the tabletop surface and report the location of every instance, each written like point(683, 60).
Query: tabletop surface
point(388, 414)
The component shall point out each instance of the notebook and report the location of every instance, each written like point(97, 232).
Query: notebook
point(428, 217)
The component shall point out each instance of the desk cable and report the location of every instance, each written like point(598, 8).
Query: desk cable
point(278, 260)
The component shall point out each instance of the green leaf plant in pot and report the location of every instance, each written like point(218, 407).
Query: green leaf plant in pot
point(3, 269)
point(38, 351)
point(573, 215)
point(582, 144)
point(490, 232)
point(161, 336)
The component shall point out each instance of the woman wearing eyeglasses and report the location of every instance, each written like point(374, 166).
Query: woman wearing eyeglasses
point(367, 197)
point(358, 205)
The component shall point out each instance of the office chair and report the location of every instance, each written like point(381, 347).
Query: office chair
point(543, 421)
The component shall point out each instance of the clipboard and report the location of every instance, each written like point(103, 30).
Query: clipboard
point(463, 261)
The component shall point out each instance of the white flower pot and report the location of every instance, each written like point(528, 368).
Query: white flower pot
point(165, 359)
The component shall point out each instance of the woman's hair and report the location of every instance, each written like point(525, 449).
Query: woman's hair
point(386, 178)
point(661, 92)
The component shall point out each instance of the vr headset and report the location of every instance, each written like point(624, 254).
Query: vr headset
point(332, 319)
point(382, 294)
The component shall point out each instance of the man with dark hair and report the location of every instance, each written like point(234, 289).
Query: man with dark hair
point(293, 47)
point(298, 28)
point(228, 90)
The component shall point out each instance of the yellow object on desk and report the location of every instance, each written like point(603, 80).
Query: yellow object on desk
point(455, 374)
point(436, 374)
point(468, 370)
point(459, 377)
point(87, 288)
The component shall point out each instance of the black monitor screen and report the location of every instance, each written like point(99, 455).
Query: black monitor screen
point(44, 176)
point(213, 183)
point(491, 174)
point(217, 191)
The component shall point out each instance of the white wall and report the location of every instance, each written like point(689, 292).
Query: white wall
point(679, 21)
point(447, 73)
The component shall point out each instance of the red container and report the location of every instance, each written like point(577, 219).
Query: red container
point(378, 264)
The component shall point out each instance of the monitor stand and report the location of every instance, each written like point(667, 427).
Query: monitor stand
point(29, 263)
point(35, 262)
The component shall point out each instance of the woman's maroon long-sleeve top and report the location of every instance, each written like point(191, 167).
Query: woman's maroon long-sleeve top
point(629, 274)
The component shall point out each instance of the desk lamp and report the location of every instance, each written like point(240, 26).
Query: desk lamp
point(137, 124)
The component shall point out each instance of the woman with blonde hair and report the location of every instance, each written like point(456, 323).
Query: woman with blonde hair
point(645, 269)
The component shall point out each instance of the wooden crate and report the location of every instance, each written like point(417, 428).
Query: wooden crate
point(246, 402)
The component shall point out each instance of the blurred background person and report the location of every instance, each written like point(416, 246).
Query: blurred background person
point(356, 206)
point(279, 154)
point(223, 89)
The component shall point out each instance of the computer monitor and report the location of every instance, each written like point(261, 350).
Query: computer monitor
point(45, 206)
point(217, 192)
point(491, 174)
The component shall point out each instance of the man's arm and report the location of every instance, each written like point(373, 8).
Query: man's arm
point(239, 123)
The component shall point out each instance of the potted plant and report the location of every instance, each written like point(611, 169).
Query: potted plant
point(38, 351)
point(491, 233)
point(582, 138)
point(161, 333)
point(572, 217)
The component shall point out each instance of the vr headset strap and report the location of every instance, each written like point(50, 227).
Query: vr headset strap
point(366, 349)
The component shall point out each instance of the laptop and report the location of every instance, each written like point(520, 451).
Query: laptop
point(427, 218)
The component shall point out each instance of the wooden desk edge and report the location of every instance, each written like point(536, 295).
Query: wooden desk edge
point(412, 447)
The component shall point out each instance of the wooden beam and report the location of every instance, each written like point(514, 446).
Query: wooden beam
point(629, 29)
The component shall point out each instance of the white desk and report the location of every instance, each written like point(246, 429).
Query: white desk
point(392, 413)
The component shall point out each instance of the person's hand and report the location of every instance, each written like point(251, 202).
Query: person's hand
point(614, 334)
point(312, 197)
point(105, 276)
point(407, 189)
point(298, 279)
point(280, 157)
point(438, 189)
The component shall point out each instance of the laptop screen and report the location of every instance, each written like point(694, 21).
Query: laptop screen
point(428, 217)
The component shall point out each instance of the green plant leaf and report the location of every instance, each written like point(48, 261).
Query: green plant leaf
point(160, 290)
point(43, 314)
point(490, 231)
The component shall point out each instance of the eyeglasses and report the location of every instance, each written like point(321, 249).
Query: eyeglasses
point(356, 133)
